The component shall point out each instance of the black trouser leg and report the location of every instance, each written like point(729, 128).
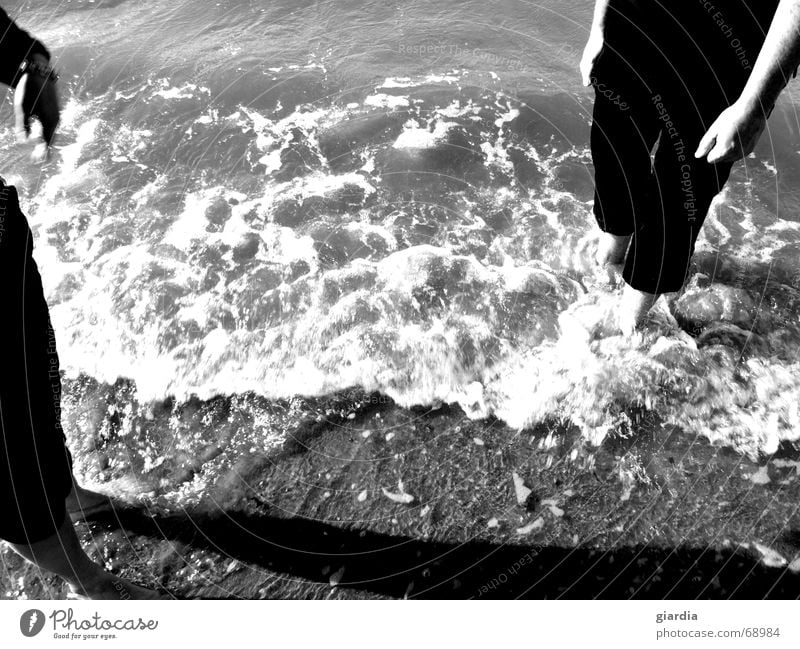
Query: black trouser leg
point(684, 187)
point(35, 465)
point(621, 142)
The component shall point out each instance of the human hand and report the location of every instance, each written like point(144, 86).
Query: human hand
point(733, 135)
point(590, 54)
point(36, 96)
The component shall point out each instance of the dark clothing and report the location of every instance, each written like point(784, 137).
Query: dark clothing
point(35, 465)
point(667, 70)
point(16, 45)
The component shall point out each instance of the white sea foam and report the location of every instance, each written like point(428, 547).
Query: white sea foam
point(380, 100)
point(416, 137)
point(212, 294)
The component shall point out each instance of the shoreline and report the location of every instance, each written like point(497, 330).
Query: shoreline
point(365, 499)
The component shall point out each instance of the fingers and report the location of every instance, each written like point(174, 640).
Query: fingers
point(22, 116)
point(23, 126)
point(586, 77)
point(715, 155)
point(707, 143)
point(587, 68)
point(36, 98)
point(723, 152)
point(718, 147)
point(732, 136)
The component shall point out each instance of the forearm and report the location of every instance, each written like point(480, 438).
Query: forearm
point(779, 58)
point(600, 12)
point(16, 45)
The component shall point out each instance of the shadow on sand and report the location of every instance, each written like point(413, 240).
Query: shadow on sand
point(396, 567)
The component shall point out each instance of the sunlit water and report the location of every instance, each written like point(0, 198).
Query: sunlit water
point(293, 199)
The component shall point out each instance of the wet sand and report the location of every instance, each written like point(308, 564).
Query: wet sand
point(483, 511)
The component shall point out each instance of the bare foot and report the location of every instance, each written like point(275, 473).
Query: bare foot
point(634, 306)
point(610, 254)
point(82, 503)
point(611, 249)
point(104, 585)
point(588, 322)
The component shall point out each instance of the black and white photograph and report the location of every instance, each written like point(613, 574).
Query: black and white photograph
point(399, 300)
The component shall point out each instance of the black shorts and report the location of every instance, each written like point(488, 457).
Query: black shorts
point(666, 72)
point(35, 465)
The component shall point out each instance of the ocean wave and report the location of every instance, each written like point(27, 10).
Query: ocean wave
point(431, 246)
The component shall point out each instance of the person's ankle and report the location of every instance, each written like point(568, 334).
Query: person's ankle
point(634, 307)
point(611, 249)
point(80, 498)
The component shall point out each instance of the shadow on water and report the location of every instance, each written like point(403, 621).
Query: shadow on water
point(397, 567)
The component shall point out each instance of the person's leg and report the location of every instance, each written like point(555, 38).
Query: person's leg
point(83, 503)
point(620, 145)
point(35, 465)
point(611, 250)
point(663, 244)
point(662, 247)
point(634, 306)
point(621, 142)
point(694, 75)
point(61, 553)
